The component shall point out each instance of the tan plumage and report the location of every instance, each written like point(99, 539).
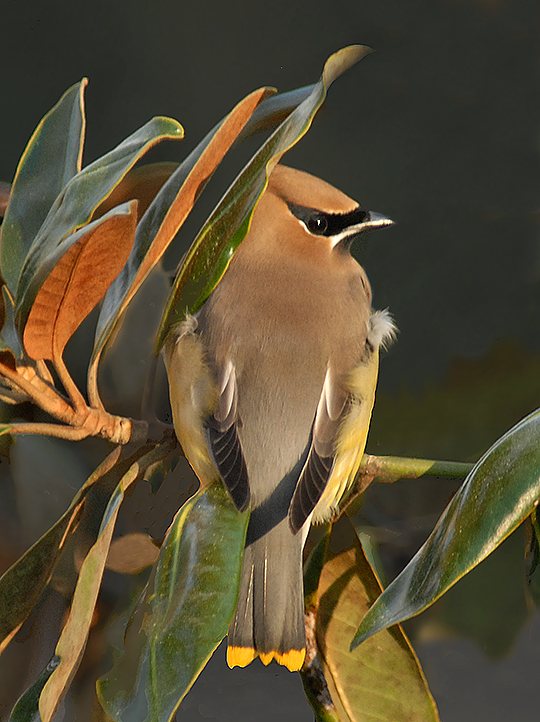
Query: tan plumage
point(272, 386)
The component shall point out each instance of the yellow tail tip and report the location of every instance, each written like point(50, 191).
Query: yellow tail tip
point(242, 656)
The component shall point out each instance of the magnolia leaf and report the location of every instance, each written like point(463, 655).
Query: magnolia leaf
point(82, 195)
point(72, 641)
point(382, 679)
point(212, 250)
point(273, 111)
point(142, 184)
point(500, 492)
point(132, 553)
point(77, 281)
point(166, 214)
point(22, 584)
point(51, 158)
point(185, 613)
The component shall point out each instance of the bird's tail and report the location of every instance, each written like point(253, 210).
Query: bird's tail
point(269, 618)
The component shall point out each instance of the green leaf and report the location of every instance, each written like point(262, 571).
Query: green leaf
point(212, 250)
point(185, 613)
point(500, 492)
point(51, 158)
point(167, 213)
point(381, 680)
point(83, 194)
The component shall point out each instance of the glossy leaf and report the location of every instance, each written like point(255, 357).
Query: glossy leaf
point(82, 268)
point(167, 213)
point(51, 158)
point(500, 492)
point(185, 613)
point(382, 679)
point(83, 194)
point(72, 641)
point(23, 583)
point(212, 250)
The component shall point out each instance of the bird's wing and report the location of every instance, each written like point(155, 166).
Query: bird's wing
point(318, 467)
point(223, 441)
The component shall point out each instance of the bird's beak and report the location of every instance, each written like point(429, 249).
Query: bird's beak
point(377, 220)
point(372, 220)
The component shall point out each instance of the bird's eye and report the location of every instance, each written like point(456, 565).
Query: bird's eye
point(317, 224)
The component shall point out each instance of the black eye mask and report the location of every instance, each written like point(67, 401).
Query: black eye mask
point(327, 224)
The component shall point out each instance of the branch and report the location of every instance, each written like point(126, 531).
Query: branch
point(387, 469)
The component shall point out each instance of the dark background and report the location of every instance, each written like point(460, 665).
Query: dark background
point(439, 129)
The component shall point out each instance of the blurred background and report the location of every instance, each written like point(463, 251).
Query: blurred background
point(439, 129)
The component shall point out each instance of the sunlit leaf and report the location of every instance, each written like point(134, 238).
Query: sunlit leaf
point(382, 679)
point(23, 583)
point(500, 492)
point(212, 250)
point(51, 158)
point(167, 213)
point(185, 613)
point(81, 270)
point(83, 194)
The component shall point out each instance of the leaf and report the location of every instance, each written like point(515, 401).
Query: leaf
point(500, 492)
point(83, 194)
point(273, 111)
point(72, 641)
point(167, 213)
point(23, 583)
point(185, 613)
point(77, 281)
point(212, 250)
point(142, 183)
point(382, 679)
point(26, 708)
point(9, 338)
point(132, 553)
point(51, 158)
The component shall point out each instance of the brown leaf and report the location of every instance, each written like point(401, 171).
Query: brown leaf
point(131, 554)
point(77, 283)
point(141, 184)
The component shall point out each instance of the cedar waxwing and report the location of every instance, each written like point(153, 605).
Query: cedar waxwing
point(272, 384)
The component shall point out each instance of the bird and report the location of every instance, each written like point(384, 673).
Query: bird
point(272, 386)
